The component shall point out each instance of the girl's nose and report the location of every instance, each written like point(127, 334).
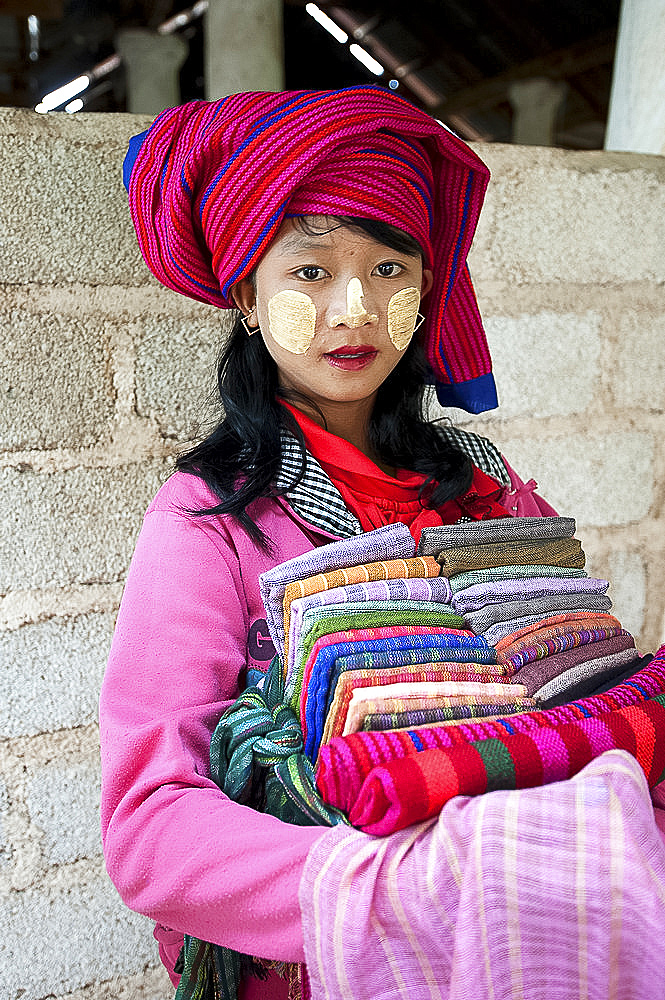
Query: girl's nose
point(356, 313)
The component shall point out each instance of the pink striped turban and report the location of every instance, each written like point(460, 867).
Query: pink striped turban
point(210, 184)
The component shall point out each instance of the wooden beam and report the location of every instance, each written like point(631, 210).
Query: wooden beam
point(559, 65)
point(50, 10)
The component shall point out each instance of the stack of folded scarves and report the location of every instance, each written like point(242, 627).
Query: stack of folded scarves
point(372, 631)
point(419, 676)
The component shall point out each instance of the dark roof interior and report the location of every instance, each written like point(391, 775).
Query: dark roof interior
point(455, 58)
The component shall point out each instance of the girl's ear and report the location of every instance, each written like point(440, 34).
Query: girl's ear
point(244, 296)
point(428, 281)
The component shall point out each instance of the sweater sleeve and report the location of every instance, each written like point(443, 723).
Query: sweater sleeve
point(177, 849)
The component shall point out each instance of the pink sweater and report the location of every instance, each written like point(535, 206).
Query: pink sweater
point(191, 621)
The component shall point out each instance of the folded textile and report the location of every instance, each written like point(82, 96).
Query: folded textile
point(492, 614)
point(392, 541)
point(413, 789)
point(412, 718)
point(419, 566)
point(629, 673)
point(587, 677)
point(344, 680)
point(559, 552)
point(505, 896)
point(462, 581)
point(417, 694)
point(519, 627)
point(536, 649)
point(502, 529)
point(555, 625)
point(400, 620)
point(319, 667)
point(538, 672)
point(346, 761)
point(414, 588)
point(326, 619)
point(499, 591)
point(373, 641)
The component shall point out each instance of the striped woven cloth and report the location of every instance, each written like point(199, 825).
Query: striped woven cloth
point(472, 577)
point(322, 621)
point(454, 647)
point(552, 893)
point(346, 762)
point(425, 694)
point(531, 647)
point(392, 569)
point(557, 552)
point(536, 673)
point(498, 589)
point(412, 589)
point(502, 630)
point(500, 529)
point(412, 718)
point(344, 681)
point(392, 541)
point(413, 789)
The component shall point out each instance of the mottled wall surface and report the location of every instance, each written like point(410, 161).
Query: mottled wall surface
point(103, 374)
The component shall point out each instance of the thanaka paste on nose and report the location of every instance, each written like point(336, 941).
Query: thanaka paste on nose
point(356, 315)
point(402, 316)
point(292, 320)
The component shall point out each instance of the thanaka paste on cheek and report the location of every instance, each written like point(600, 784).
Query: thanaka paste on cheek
point(402, 316)
point(292, 320)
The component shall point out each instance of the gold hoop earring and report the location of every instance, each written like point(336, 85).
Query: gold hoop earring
point(420, 319)
point(249, 330)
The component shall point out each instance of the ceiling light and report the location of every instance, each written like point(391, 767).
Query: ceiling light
point(363, 56)
point(63, 94)
point(326, 22)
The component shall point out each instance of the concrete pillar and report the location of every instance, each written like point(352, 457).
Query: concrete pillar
point(244, 47)
point(152, 64)
point(536, 103)
point(636, 120)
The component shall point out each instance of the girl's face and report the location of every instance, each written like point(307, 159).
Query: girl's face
point(336, 309)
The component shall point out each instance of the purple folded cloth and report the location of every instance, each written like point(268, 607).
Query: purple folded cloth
point(495, 633)
point(543, 607)
point(410, 589)
point(523, 589)
point(392, 541)
point(414, 717)
point(582, 680)
point(535, 674)
point(462, 581)
point(500, 529)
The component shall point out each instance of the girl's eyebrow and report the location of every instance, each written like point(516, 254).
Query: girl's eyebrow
point(296, 242)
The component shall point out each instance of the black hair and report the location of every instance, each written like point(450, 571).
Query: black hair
point(239, 460)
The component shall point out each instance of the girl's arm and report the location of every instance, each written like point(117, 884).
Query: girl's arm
point(177, 849)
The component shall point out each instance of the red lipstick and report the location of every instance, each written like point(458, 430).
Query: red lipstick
point(351, 358)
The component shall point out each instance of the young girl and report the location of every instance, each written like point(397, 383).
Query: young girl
point(338, 224)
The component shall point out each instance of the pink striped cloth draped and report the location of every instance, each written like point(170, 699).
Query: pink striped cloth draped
point(551, 893)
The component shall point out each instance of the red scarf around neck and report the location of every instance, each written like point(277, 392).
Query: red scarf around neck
point(377, 498)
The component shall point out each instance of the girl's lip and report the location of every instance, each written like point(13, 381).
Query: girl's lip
point(351, 351)
point(351, 359)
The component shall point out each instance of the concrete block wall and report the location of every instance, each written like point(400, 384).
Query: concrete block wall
point(103, 376)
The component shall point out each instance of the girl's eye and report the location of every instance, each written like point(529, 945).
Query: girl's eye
point(389, 270)
point(310, 273)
